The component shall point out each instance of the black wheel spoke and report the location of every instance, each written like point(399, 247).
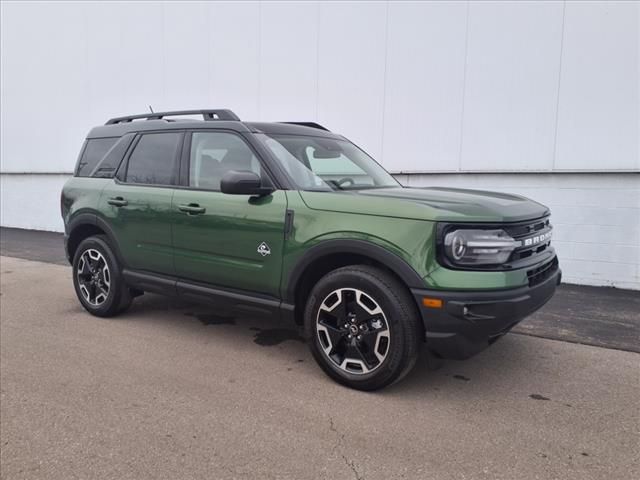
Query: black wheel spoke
point(334, 334)
point(368, 345)
point(92, 292)
point(345, 308)
point(369, 340)
point(354, 352)
point(86, 269)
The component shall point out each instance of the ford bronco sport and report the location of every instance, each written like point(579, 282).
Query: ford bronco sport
point(292, 221)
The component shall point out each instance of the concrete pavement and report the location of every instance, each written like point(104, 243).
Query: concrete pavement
point(169, 390)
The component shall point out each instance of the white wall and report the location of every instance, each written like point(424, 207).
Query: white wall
point(32, 201)
point(457, 87)
point(433, 86)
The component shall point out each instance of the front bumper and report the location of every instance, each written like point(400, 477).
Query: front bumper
point(468, 322)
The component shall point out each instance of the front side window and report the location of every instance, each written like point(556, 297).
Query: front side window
point(153, 160)
point(215, 153)
point(94, 151)
point(325, 164)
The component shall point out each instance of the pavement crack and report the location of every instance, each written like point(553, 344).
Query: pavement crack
point(537, 396)
point(339, 443)
point(351, 465)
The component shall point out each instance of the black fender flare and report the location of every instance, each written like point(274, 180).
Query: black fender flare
point(92, 219)
point(393, 262)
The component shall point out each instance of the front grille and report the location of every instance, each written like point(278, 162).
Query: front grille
point(529, 230)
point(538, 275)
point(533, 236)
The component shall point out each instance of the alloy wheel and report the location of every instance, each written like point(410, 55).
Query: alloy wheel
point(94, 277)
point(353, 331)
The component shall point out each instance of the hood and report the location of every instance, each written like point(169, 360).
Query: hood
point(431, 203)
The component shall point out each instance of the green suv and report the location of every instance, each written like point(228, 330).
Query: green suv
point(288, 220)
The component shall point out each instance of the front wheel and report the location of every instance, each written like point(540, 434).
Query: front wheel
point(363, 327)
point(97, 279)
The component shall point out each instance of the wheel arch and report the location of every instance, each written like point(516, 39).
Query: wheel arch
point(331, 254)
point(84, 226)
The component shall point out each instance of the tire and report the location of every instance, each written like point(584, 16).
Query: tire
point(97, 278)
point(379, 314)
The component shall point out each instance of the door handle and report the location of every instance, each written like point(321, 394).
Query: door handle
point(117, 201)
point(192, 209)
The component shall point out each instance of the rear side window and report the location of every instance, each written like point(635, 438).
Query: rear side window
point(107, 167)
point(94, 150)
point(154, 159)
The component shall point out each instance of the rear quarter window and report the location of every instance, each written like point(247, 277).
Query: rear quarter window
point(109, 164)
point(94, 150)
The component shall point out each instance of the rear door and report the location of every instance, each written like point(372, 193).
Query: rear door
point(137, 204)
point(232, 241)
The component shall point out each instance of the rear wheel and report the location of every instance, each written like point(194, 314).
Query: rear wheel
point(97, 278)
point(363, 327)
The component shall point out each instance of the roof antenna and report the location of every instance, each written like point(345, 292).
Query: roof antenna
point(151, 109)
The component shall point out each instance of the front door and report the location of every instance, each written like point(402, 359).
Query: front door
point(137, 206)
point(232, 241)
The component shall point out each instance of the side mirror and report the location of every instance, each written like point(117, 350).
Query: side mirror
point(243, 182)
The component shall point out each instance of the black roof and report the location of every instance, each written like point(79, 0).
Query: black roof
point(290, 128)
point(212, 119)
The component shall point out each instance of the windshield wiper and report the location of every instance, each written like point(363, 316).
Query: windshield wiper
point(369, 187)
point(335, 184)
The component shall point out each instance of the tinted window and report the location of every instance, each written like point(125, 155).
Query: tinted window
point(107, 167)
point(153, 160)
point(95, 149)
point(215, 153)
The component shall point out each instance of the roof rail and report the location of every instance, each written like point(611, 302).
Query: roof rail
point(309, 124)
point(220, 114)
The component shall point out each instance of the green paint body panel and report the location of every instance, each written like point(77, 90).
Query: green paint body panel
point(220, 247)
point(432, 204)
point(142, 227)
point(410, 240)
point(81, 196)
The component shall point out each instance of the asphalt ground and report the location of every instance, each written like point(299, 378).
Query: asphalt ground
point(599, 316)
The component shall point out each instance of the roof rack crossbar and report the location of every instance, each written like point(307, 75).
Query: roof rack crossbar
point(309, 124)
point(207, 115)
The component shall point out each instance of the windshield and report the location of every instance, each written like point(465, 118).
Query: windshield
point(320, 163)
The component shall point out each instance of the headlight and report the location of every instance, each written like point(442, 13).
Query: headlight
point(479, 247)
